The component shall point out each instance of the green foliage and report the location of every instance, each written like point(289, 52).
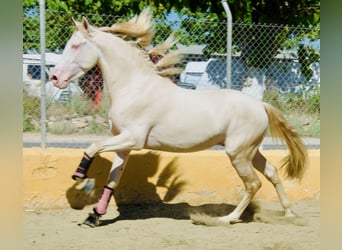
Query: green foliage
point(62, 128)
point(305, 125)
point(59, 115)
point(96, 128)
point(30, 36)
point(302, 110)
point(79, 105)
point(31, 113)
point(306, 56)
point(304, 102)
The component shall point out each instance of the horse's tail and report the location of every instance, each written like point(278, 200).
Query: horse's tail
point(295, 163)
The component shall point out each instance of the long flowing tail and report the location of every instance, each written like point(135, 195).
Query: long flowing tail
point(295, 163)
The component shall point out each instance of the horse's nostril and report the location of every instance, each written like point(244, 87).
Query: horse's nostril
point(53, 77)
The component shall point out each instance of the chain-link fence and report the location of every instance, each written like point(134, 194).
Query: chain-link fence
point(279, 64)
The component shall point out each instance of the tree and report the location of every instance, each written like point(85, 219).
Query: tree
point(290, 12)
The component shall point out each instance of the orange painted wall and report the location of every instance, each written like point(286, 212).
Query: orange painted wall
point(150, 176)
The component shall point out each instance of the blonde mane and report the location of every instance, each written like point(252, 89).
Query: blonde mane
point(139, 32)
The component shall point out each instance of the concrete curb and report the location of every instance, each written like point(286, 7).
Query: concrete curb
point(150, 176)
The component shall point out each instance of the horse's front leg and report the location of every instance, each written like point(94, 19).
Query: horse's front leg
point(121, 142)
point(119, 162)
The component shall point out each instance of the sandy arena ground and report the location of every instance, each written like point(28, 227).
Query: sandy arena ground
point(168, 226)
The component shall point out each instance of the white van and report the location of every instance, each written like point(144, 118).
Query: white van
point(210, 74)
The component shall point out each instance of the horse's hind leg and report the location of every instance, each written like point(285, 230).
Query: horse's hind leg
point(244, 168)
point(270, 172)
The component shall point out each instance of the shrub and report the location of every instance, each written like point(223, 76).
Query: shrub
point(301, 109)
point(31, 113)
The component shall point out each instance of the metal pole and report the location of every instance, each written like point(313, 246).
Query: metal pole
point(229, 42)
point(42, 75)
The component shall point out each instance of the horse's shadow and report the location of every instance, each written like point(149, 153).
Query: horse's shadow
point(179, 211)
point(137, 198)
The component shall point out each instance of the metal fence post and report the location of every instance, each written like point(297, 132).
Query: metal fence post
point(229, 42)
point(42, 74)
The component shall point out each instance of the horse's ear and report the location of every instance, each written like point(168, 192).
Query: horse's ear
point(86, 25)
point(74, 22)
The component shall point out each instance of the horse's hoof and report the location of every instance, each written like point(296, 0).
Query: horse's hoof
point(86, 185)
point(93, 220)
point(229, 220)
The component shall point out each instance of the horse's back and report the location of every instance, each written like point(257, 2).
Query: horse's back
point(223, 103)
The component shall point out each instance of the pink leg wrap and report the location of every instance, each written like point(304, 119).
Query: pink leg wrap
point(102, 204)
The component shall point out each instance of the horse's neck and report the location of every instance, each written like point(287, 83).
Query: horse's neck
point(120, 64)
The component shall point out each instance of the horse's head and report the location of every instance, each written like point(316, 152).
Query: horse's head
point(79, 56)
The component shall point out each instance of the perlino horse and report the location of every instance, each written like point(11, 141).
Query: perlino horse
point(149, 111)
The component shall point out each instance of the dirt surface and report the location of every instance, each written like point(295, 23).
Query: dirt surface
point(168, 226)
